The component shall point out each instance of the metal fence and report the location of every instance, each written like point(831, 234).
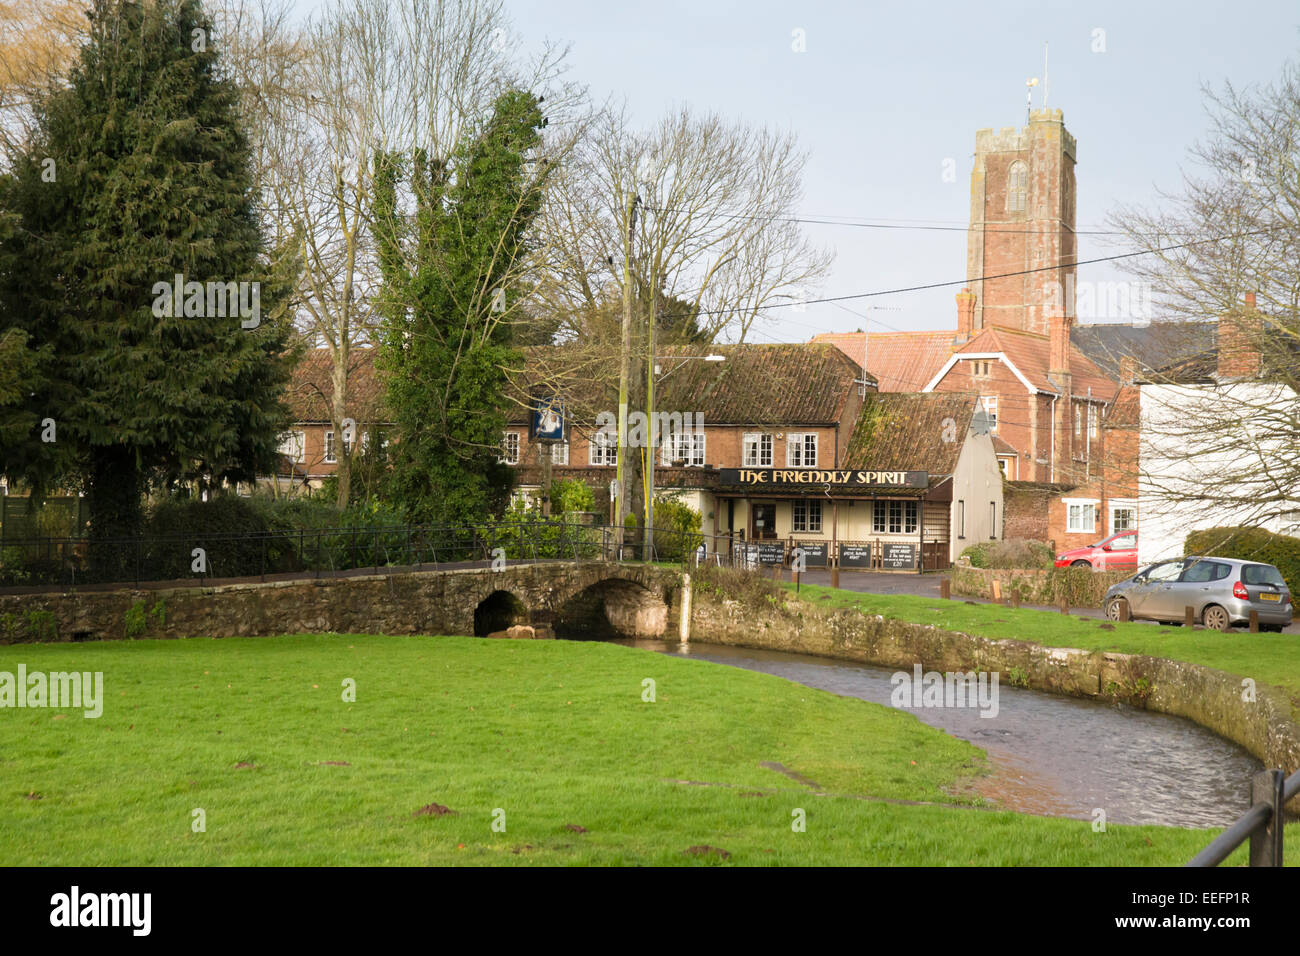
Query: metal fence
point(1263, 824)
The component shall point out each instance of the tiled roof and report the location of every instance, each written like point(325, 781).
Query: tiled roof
point(1157, 346)
point(311, 391)
point(911, 432)
point(900, 361)
point(778, 384)
point(1030, 353)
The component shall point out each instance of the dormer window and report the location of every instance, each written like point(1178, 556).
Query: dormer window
point(1017, 187)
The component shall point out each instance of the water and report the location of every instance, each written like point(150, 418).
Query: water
point(1052, 755)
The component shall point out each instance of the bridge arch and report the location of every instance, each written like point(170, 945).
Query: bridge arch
point(612, 607)
point(498, 611)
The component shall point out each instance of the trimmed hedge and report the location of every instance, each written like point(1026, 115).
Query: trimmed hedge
point(1251, 544)
point(1014, 553)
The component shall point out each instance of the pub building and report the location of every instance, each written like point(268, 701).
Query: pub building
point(918, 483)
point(796, 449)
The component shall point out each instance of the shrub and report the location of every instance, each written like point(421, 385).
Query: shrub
point(231, 531)
point(677, 529)
point(569, 495)
point(1014, 553)
point(1251, 544)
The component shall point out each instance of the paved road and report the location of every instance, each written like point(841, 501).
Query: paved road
point(927, 585)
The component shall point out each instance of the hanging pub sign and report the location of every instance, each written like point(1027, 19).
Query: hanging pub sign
point(547, 420)
point(835, 477)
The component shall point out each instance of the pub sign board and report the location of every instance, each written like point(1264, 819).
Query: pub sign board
point(898, 557)
point(771, 554)
point(814, 555)
point(835, 477)
point(547, 423)
point(855, 555)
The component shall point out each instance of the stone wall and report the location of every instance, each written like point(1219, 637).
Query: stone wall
point(422, 602)
point(1209, 697)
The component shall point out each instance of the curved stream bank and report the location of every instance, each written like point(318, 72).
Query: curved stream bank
point(1262, 723)
point(1050, 755)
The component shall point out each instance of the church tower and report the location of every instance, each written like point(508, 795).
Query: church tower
point(1022, 219)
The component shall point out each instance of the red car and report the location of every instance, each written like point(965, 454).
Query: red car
point(1119, 550)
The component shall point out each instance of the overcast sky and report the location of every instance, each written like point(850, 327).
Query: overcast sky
point(886, 92)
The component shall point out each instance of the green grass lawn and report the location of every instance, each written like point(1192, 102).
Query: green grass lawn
point(554, 733)
point(1268, 658)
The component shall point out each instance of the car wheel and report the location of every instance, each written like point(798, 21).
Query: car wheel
point(1081, 563)
point(1216, 618)
point(1114, 607)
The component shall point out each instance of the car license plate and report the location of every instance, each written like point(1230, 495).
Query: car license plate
point(1270, 597)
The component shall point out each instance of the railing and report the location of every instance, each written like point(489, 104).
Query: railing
point(198, 558)
point(1263, 824)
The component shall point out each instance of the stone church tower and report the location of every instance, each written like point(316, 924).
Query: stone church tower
point(1022, 218)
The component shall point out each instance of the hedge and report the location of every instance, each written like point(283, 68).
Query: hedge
point(1251, 544)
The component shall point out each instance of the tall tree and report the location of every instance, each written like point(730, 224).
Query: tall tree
point(148, 179)
point(452, 273)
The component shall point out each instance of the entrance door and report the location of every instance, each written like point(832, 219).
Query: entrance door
point(763, 519)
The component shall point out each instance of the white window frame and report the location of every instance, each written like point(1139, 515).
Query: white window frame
point(296, 440)
point(1122, 504)
point(331, 452)
point(796, 450)
point(602, 449)
point(1094, 419)
point(762, 447)
point(1092, 505)
point(688, 445)
point(560, 453)
point(810, 520)
point(509, 456)
point(894, 516)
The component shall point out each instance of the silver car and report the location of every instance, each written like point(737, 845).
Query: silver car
point(1220, 591)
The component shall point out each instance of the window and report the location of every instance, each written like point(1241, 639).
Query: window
point(981, 368)
point(1123, 516)
point(1017, 187)
point(1262, 574)
point(1125, 542)
point(990, 403)
point(961, 518)
point(1093, 417)
point(510, 448)
point(1078, 419)
point(1202, 572)
point(331, 453)
point(1081, 516)
point(894, 517)
point(1165, 571)
point(1004, 466)
point(684, 447)
point(603, 449)
point(808, 516)
point(993, 520)
point(758, 450)
point(801, 451)
point(293, 446)
point(560, 453)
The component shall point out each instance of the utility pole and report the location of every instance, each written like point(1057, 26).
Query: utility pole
point(653, 428)
point(624, 371)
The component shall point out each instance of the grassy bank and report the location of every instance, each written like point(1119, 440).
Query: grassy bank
point(556, 734)
point(1268, 658)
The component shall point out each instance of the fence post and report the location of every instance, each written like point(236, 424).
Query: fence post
point(1254, 622)
point(1189, 616)
point(945, 588)
point(1266, 845)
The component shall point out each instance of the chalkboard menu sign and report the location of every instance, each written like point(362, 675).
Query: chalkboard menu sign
point(855, 555)
point(748, 554)
point(814, 555)
point(898, 556)
point(771, 553)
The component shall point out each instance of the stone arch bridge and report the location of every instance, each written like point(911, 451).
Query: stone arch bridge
point(576, 600)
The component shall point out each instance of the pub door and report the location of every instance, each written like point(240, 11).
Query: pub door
point(762, 519)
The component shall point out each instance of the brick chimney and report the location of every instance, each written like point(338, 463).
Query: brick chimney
point(965, 318)
point(1129, 369)
point(1238, 351)
point(1058, 345)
